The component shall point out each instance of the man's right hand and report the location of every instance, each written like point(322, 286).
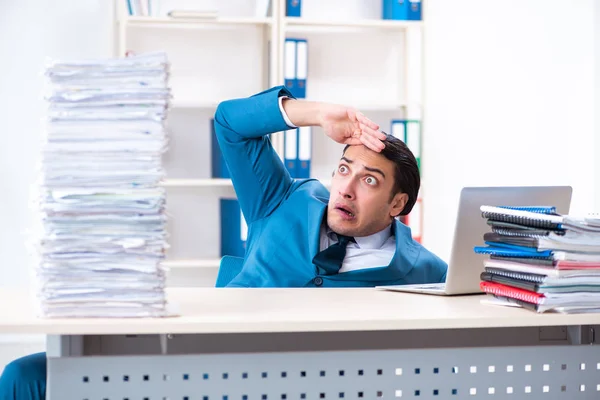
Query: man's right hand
point(343, 124)
point(347, 125)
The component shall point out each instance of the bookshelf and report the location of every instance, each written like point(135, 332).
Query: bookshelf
point(354, 58)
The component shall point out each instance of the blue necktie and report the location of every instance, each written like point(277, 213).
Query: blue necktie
point(330, 260)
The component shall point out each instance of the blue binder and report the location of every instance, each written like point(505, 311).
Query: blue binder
point(293, 8)
point(234, 231)
point(301, 68)
point(414, 10)
point(396, 9)
point(289, 64)
point(304, 152)
point(290, 153)
point(409, 131)
point(218, 166)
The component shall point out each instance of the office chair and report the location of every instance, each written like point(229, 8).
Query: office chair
point(229, 267)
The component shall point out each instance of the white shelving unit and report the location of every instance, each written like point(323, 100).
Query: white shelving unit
point(354, 58)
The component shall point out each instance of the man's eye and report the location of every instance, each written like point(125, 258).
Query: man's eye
point(371, 181)
point(342, 169)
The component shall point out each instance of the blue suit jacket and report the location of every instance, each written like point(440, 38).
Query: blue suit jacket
point(284, 215)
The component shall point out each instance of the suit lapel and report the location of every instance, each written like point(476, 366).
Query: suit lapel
point(402, 263)
point(315, 213)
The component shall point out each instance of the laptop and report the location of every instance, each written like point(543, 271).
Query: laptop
point(465, 266)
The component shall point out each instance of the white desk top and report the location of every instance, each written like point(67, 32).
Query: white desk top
point(289, 310)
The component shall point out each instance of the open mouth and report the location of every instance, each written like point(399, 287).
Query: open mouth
point(345, 210)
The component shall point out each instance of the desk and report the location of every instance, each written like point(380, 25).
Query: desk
point(246, 344)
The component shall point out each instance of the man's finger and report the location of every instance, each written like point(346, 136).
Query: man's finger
point(375, 133)
point(366, 121)
point(372, 143)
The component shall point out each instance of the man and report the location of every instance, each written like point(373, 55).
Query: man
point(300, 235)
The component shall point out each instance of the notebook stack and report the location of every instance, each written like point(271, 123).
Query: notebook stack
point(102, 234)
point(541, 260)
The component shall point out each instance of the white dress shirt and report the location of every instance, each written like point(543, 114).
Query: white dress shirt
point(376, 250)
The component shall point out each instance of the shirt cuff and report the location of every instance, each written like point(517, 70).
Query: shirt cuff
point(283, 113)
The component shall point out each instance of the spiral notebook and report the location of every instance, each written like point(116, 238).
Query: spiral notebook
point(522, 216)
point(512, 292)
point(520, 281)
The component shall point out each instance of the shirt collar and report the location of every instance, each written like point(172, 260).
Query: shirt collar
point(374, 241)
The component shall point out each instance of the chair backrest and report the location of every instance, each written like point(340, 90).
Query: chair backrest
point(229, 267)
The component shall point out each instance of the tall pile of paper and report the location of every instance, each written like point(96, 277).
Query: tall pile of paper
point(101, 235)
point(541, 260)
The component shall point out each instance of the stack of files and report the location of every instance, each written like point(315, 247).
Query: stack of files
point(541, 260)
point(101, 222)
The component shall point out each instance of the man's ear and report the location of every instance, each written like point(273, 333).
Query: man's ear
point(398, 203)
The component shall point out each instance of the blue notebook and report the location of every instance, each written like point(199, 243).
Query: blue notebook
point(506, 250)
point(535, 209)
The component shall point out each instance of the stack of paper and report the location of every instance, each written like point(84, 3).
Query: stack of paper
point(101, 234)
point(541, 260)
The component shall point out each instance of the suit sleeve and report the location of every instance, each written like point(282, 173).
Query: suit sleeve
point(259, 177)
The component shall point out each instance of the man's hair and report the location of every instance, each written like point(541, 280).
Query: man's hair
point(406, 174)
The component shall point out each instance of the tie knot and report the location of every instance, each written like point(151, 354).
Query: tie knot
point(344, 240)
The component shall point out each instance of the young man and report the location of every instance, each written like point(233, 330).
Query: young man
point(301, 235)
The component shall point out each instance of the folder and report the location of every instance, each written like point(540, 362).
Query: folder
point(290, 143)
point(413, 139)
point(398, 129)
point(396, 9)
point(234, 230)
point(415, 220)
point(304, 152)
point(293, 8)
point(218, 166)
point(301, 68)
point(409, 131)
point(414, 10)
point(289, 65)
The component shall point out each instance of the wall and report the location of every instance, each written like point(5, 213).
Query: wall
point(597, 105)
point(508, 101)
point(30, 31)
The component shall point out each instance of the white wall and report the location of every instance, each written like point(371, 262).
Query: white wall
point(597, 103)
point(515, 78)
point(509, 100)
point(30, 31)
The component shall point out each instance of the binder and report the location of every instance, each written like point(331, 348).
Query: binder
point(413, 139)
point(289, 65)
point(290, 143)
point(234, 230)
point(396, 9)
point(218, 166)
point(301, 68)
point(304, 152)
point(293, 8)
point(409, 131)
point(415, 221)
point(398, 129)
point(414, 10)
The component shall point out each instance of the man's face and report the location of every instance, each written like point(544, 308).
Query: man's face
point(360, 203)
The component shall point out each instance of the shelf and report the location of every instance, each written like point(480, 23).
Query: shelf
point(304, 25)
point(194, 263)
point(187, 23)
point(216, 182)
point(191, 103)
